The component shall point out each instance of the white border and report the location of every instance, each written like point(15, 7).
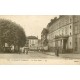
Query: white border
point(39, 7)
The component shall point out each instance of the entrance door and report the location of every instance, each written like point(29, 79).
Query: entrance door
point(64, 44)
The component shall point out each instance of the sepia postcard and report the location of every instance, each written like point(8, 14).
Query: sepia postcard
point(40, 39)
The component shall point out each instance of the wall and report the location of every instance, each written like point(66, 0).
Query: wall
point(61, 27)
point(33, 44)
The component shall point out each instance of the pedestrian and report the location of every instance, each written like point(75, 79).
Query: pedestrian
point(57, 52)
point(26, 50)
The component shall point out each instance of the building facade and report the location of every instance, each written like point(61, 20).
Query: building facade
point(32, 42)
point(63, 33)
point(76, 32)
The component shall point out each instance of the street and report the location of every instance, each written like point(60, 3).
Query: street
point(30, 55)
point(38, 55)
point(36, 58)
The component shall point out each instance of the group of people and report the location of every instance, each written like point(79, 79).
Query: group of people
point(24, 50)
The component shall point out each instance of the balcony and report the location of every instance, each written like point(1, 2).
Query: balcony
point(61, 37)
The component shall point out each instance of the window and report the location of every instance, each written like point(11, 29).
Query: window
point(70, 33)
point(70, 19)
point(70, 26)
point(66, 30)
point(76, 44)
point(70, 43)
point(62, 31)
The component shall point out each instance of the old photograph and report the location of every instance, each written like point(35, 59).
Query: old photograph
point(40, 39)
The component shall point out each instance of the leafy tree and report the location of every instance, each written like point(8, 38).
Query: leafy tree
point(44, 35)
point(44, 31)
point(12, 34)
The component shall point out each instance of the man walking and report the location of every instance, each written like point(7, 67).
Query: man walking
point(57, 52)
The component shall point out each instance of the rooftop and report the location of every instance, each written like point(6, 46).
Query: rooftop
point(32, 37)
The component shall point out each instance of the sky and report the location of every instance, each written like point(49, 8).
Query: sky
point(32, 25)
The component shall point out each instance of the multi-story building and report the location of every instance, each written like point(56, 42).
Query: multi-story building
point(32, 42)
point(64, 33)
point(76, 32)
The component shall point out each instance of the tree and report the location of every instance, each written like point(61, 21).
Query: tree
point(44, 31)
point(12, 34)
point(44, 36)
